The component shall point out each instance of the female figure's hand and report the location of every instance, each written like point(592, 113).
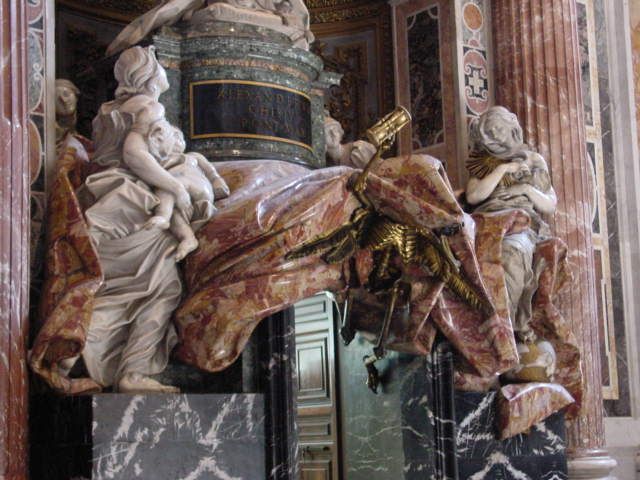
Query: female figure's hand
point(543, 202)
point(478, 190)
point(520, 169)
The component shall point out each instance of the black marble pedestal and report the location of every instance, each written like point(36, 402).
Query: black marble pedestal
point(538, 455)
point(237, 424)
point(159, 437)
point(419, 428)
point(170, 437)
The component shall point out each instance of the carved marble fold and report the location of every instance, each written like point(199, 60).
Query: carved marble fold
point(73, 275)
point(521, 406)
point(239, 274)
point(547, 320)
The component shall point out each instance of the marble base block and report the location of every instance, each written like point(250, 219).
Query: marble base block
point(156, 436)
point(172, 437)
point(540, 454)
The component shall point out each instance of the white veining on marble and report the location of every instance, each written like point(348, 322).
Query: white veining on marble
point(499, 458)
point(467, 434)
point(150, 423)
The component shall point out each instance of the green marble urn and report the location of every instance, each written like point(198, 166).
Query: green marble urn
point(243, 92)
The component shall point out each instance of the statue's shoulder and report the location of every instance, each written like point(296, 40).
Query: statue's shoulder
point(139, 102)
point(143, 108)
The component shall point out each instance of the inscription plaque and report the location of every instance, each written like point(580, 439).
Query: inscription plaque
point(245, 109)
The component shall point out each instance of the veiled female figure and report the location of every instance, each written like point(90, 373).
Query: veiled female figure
point(506, 174)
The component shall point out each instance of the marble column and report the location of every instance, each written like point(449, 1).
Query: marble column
point(537, 75)
point(14, 240)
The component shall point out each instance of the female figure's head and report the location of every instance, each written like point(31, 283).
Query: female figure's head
point(138, 72)
point(66, 97)
point(497, 132)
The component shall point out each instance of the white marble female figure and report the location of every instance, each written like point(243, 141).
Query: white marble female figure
point(506, 174)
point(131, 335)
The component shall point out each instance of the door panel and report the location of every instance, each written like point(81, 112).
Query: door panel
point(317, 412)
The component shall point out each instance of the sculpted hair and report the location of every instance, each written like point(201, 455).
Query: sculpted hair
point(63, 82)
point(135, 71)
point(478, 135)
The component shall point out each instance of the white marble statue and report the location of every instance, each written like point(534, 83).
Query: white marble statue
point(506, 174)
point(66, 109)
point(353, 154)
point(290, 17)
point(131, 334)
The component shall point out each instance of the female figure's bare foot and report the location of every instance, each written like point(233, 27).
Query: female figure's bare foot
point(138, 383)
point(185, 247)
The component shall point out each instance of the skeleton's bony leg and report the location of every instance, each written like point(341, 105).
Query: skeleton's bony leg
point(373, 377)
point(346, 331)
point(386, 324)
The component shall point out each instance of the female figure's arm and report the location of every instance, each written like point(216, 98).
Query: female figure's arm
point(136, 155)
point(478, 190)
point(544, 199)
point(543, 202)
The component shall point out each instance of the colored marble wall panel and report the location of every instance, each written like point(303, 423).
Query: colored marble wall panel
point(423, 39)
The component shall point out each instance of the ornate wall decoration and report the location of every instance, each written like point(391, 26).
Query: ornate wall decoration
point(474, 58)
point(425, 77)
point(474, 89)
point(425, 82)
point(81, 41)
point(354, 39)
point(87, 72)
point(598, 122)
point(121, 10)
point(346, 102)
point(41, 137)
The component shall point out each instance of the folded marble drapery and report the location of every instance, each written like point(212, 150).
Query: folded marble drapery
point(239, 274)
point(73, 275)
point(522, 405)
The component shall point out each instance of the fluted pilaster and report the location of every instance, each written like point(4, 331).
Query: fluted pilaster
point(537, 74)
point(14, 240)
